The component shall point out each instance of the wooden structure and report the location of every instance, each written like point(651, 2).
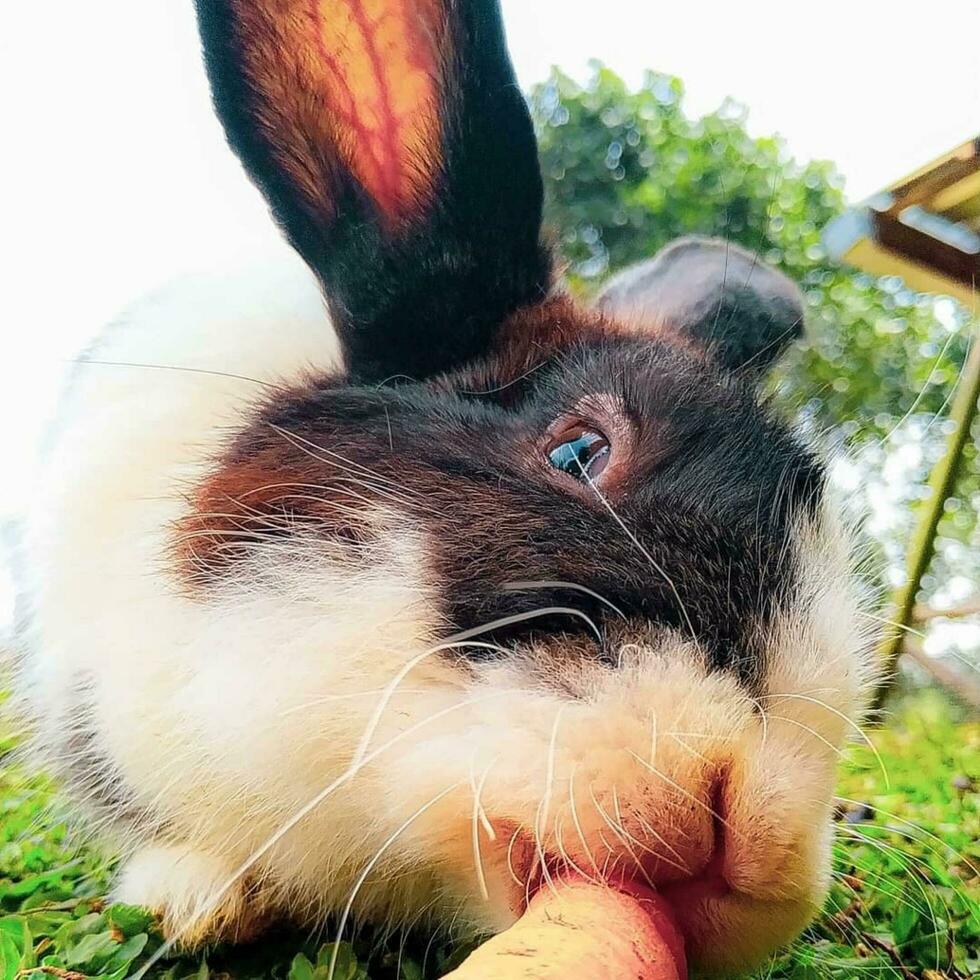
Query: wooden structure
point(924, 228)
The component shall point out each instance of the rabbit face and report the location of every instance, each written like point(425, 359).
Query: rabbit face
point(612, 474)
point(623, 642)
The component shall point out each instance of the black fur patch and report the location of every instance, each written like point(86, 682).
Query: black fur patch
point(713, 488)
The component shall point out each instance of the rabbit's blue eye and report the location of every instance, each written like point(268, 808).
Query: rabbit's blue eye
point(580, 453)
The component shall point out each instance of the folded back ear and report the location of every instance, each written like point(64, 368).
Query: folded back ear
point(396, 151)
point(715, 294)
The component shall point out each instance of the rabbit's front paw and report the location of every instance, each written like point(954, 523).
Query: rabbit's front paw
point(196, 894)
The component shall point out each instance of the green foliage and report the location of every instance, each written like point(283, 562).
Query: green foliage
point(905, 898)
point(627, 171)
point(906, 893)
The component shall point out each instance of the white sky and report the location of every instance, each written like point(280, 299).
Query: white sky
point(115, 176)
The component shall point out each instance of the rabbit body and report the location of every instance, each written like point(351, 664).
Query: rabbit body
point(397, 610)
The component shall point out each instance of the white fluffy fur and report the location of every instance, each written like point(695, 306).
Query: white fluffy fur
point(227, 717)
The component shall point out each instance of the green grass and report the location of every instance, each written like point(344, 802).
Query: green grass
point(905, 900)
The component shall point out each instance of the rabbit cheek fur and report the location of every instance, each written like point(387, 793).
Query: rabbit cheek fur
point(309, 636)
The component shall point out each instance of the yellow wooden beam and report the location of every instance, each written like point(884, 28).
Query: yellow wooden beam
point(866, 254)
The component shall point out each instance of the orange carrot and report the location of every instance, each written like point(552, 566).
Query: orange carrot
point(581, 930)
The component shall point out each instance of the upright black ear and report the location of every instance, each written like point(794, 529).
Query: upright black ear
point(396, 150)
point(717, 294)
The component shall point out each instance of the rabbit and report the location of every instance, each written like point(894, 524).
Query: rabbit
point(387, 583)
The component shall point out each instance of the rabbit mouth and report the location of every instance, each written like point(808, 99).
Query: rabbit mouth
point(638, 871)
point(689, 896)
point(724, 929)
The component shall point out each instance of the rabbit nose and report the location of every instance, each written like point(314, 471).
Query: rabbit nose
point(710, 881)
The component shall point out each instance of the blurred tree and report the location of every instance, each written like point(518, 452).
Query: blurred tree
point(627, 171)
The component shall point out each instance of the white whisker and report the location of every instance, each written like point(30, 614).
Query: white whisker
point(657, 567)
point(839, 714)
point(522, 586)
point(370, 865)
point(478, 816)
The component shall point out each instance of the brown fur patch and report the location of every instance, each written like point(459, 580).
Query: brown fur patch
point(269, 486)
point(533, 334)
point(530, 336)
